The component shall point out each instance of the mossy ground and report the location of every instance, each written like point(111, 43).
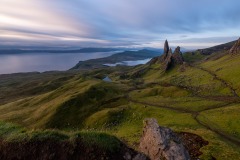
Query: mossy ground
point(226, 119)
point(15, 133)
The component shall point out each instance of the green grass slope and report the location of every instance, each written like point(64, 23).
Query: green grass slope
point(201, 97)
point(35, 111)
point(16, 141)
point(227, 68)
point(73, 112)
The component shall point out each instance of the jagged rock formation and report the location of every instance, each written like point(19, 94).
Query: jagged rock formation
point(166, 55)
point(177, 56)
point(166, 49)
point(161, 143)
point(236, 48)
point(169, 59)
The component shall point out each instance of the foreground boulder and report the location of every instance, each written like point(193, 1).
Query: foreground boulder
point(236, 48)
point(161, 143)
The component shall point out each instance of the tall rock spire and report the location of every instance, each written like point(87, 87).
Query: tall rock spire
point(166, 47)
point(177, 56)
point(166, 50)
point(169, 59)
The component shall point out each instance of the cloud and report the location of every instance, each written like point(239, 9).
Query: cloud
point(122, 22)
point(39, 16)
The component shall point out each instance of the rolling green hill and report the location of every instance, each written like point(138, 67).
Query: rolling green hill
point(201, 96)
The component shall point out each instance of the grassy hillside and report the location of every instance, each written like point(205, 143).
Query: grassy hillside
point(218, 48)
point(16, 141)
point(226, 68)
point(200, 97)
point(21, 85)
point(72, 112)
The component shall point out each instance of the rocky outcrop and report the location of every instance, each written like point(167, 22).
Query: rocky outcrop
point(177, 56)
point(165, 59)
point(168, 59)
point(236, 48)
point(161, 143)
point(166, 49)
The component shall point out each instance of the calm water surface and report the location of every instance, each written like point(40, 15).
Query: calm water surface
point(40, 62)
point(14, 63)
point(130, 63)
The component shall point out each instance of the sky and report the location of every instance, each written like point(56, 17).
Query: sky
point(118, 23)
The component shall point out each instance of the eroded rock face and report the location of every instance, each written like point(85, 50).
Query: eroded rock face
point(177, 56)
point(161, 143)
point(166, 47)
point(168, 59)
point(236, 48)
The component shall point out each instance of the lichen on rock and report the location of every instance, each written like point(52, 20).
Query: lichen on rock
point(161, 143)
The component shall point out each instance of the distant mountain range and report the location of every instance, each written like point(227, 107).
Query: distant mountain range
point(221, 47)
point(83, 50)
point(4, 50)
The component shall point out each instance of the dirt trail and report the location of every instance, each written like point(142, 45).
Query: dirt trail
point(160, 106)
point(195, 115)
point(219, 79)
point(222, 134)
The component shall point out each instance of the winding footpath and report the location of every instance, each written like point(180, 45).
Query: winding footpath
point(219, 79)
point(195, 115)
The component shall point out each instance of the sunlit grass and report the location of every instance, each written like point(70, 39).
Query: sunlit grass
point(226, 119)
point(226, 68)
